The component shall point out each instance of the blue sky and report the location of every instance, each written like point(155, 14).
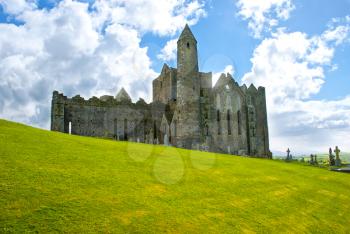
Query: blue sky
point(298, 49)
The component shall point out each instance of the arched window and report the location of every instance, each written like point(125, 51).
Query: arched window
point(188, 45)
point(218, 119)
point(239, 120)
point(228, 122)
point(206, 130)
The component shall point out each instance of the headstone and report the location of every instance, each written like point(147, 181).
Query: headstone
point(337, 158)
point(228, 150)
point(166, 139)
point(138, 140)
point(331, 158)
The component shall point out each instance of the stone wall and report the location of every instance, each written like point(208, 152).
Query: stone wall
point(229, 126)
point(101, 117)
point(187, 111)
point(257, 122)
point(164, 87)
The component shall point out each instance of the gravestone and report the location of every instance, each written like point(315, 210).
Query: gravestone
point(337, 158)
point(166, 139)
point(331, 158)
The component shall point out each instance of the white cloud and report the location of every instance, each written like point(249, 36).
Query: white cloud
point(292, 68)
point(164, 17)
point(77, 51)
point(168, 53)
point(265, 14)
point(17, 6)
point(228, 69)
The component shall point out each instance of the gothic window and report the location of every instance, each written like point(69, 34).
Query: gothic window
point(239, 120)
point(188, 45)
point(228, 122)
point(175, 128)
point(125, 129)
point(206, 130)
point(218, 119)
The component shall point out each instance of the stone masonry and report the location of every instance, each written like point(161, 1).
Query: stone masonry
point(187, 111)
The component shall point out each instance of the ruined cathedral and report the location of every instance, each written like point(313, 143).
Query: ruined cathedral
point(187, 111)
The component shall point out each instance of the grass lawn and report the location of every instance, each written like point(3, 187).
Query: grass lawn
point(54, 182)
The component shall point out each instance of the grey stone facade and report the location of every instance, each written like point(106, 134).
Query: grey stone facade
point(187, 111)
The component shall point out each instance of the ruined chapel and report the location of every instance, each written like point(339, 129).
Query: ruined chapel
point(187, 111)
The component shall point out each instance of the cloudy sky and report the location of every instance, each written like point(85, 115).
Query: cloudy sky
point(298, 49)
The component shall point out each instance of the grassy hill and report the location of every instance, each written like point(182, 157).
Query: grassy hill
point(54, 182)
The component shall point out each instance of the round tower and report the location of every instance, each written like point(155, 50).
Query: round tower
point(188, 90)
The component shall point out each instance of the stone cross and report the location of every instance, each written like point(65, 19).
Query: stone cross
point(337, 151)
point(337, 158)
point(288, 154)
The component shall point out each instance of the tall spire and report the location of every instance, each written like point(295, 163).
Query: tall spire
point(187, 33)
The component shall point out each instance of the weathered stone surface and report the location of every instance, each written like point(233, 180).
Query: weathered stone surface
point(123, 96)
point(187, 111)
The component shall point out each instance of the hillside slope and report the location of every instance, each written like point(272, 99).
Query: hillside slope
point(54, 182)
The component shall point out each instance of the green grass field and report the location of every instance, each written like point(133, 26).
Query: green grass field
point(54, 182)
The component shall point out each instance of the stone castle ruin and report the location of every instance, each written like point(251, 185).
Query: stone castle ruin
point(187, 111)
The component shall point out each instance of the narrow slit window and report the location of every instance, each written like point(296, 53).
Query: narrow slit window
point(125, 129)
point(116, 129)
point(154, 130)
point(228, 122)
point(70, 127)
point(218, 118)
point(239, 120)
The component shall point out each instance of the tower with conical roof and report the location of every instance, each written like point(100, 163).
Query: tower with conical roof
point(188, 90)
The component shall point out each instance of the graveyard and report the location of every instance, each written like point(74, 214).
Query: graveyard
point(55, 182)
